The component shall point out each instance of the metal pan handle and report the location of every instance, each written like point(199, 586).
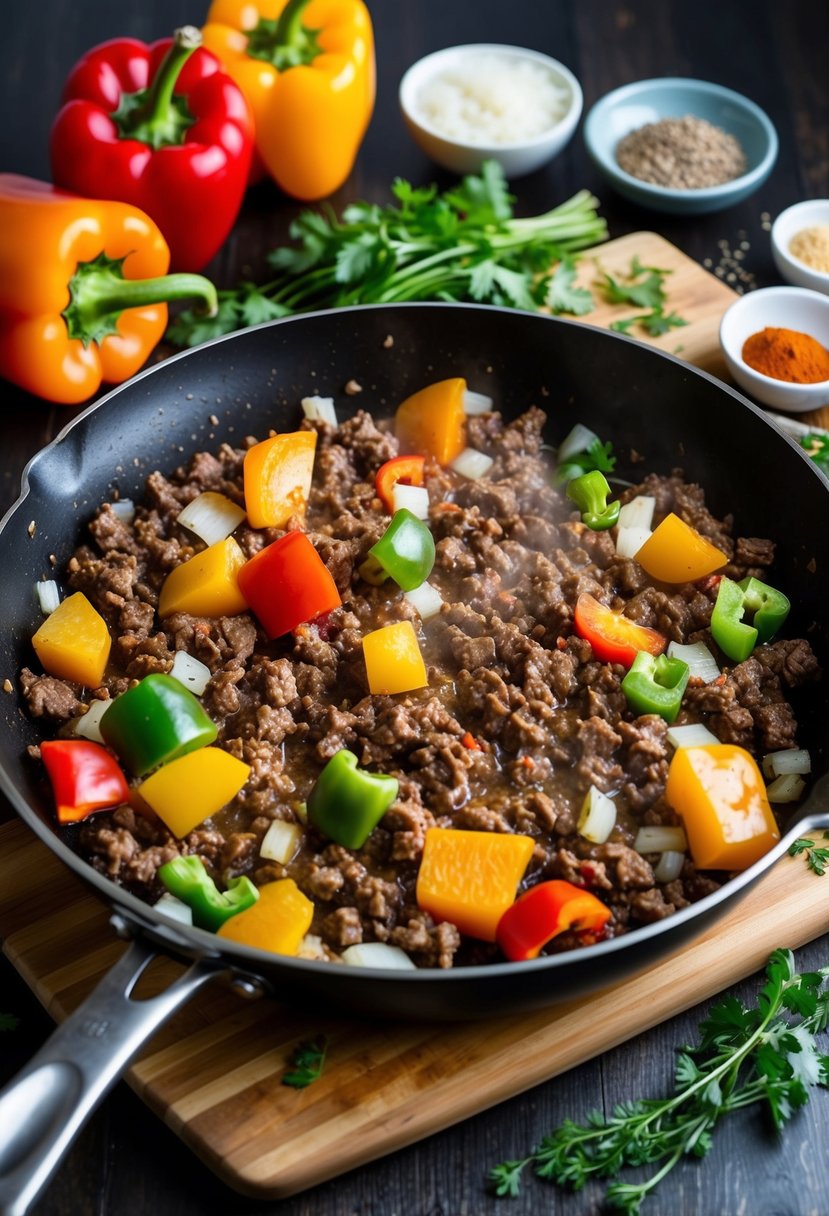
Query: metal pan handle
point(45, 1106)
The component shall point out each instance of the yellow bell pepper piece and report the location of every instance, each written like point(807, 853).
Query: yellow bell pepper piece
point(278, 474)
point(432, 421)
point(720, 795)
point(278, 920)
point(676, 553)
point(393, 659)
point(73, 642)
point(187, 791)
point(207, 584)
point(470, 878)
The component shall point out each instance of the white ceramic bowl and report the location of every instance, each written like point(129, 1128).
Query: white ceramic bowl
point(779, 307)
point(811, 214)
point(515, 159)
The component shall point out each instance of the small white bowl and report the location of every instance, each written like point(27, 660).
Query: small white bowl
point(811, 214)
point(779, 307)
point(516, 159)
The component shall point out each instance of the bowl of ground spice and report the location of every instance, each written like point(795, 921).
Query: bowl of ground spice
point(776, 345)
point(800, 244)
point(679, 145)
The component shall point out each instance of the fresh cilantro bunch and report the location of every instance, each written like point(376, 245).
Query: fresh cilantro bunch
point(460, 245)
point(766, 1054)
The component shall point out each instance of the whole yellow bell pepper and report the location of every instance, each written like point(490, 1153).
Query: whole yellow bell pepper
point(73, 643)
point(307, 70)
point(278, 920)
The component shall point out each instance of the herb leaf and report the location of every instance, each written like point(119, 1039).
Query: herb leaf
point(648, 293)
point(817, 446)
point(562, 296)
point(817, 856)
point(306, 1063)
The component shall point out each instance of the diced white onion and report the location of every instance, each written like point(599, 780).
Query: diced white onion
point(597, 816)
point(48, 596)
point(426, 600)
point(319, 409)
point(630, 540)
point(124, 508)
point(692, 735)
point(192, 673)
point(410, 498)
point(311, 947)
point(579, 440)
point(476, 403)
point(472, 464)
point(786, 788)
point(88, 725)
point(657, 838)
point(211, 516)
point(281, 841)
point(699, 659)
point(670, 866)
point(378, 954)
point(789, 760)
point(174, 908)
point(638, 513)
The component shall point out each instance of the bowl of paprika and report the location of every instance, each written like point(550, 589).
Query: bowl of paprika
point(776, 345)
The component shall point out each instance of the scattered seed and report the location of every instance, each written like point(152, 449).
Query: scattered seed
point(388, 342)
point(31, 528)
point(353, 388)
point(8, 686)
point(213, 420)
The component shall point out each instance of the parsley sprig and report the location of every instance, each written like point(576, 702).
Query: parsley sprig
point(306, 1063)
point(817, 856)
point(817, 446)
point(642, 287)
point(766, 1054)
point(462, 244)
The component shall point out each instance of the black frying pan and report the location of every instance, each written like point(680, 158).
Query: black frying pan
point(659, 413)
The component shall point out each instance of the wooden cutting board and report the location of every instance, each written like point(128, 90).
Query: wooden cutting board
point(213, 1073)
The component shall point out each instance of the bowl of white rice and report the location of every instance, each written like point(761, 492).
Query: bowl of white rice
point(487, 101)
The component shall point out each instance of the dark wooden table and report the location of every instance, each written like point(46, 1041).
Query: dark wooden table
point(126, 1162)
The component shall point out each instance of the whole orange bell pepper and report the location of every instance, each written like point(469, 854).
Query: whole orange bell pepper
point(83, 290)
point(306, 68)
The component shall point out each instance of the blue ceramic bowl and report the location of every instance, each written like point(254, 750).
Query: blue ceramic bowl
point(644, 101)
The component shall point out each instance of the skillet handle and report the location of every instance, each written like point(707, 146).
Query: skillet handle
point(44, 1107)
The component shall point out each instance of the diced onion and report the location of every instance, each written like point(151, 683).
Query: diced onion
point(638, 513)
point(597, 816)
point(88, 725)
point(699, 659)
point(48, 595)
point(211, 516)
point(319, 409)
point(476, 403)
point(124, 508)
point(378, 954)
point(192, 673)
point(311, 947)
point(176, 909)
point(630, 540)
point(786, 788)
point(472, 464)
point(579, 440)
point(692, 735)
point(789, 760)
point(426, 600)
point(410, 498)
point(657, 838)
point(669, 866)
point(281, 841)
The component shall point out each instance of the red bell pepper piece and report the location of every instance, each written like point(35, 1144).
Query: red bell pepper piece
point(614, 638)
point(287, 583)
point(162, 127)
point(543, 912)
point(405, 469)
point(85, 778)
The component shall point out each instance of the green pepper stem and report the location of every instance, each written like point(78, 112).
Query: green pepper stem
point(156, 108)
point(289, 25)
point(286, 42)
point(154, 115)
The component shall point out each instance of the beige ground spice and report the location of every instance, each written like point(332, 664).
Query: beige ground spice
point(811, 245)
point(682, 153)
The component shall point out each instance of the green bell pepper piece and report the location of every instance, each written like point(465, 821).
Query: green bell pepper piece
point(589, 492)
point(769, 609)
point(347, 803)
point(187, 879)
point(656, 685)
point(156, 721)
point(405, 552)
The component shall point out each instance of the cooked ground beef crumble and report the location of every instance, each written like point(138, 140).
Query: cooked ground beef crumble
point(504, 666)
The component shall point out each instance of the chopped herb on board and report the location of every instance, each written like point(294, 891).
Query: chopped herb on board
point(562, 296)
point(306, 1063)
point(766, 1053)
point(642, 287)
point(817, 446)
point(817, 856)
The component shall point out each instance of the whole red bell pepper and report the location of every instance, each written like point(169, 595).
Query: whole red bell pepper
point(164, 128)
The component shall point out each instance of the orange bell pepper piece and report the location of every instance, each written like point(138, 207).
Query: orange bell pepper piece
point(73, 643)
point(207, 584)
point(83, 290)
point(676, 553)
point(306, 68)
point(188, 790)
point(720, 795)
point(278, 474)
point(393, 659)
point(278, 920)
point(470, 878)
point(432, 421)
